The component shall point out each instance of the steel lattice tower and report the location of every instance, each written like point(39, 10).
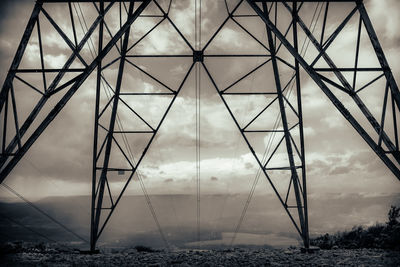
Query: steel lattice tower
point(114, 52)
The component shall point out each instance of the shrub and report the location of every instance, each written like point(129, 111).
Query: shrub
point(144, 249)
point(393, 216)
point(386, 236)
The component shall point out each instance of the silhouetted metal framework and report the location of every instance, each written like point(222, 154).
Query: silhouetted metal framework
point(281, 51)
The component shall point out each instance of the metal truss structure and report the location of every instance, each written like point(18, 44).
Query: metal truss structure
point(280, 30)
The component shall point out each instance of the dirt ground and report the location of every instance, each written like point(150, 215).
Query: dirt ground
point(231, 257)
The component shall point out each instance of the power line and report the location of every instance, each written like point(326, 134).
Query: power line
point(35, 232)
point(43, 212)
point(27, 228)
point(198, 116)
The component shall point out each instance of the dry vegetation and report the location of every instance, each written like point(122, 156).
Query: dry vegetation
point(381, 236)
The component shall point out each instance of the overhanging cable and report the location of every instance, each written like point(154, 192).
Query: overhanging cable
point(43, 212)
point(27, 228)
point(198, 116)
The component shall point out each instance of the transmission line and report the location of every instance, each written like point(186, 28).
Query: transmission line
point(43, 212)
point(198, 116)
point(36, 233)
point(27, 228)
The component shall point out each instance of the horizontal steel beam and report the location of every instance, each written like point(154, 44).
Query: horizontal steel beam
point(348, 69)
point(46, 70)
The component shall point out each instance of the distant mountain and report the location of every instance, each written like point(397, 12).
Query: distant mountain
point(265, 224)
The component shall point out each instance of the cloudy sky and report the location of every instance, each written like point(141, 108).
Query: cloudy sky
point(338, 160)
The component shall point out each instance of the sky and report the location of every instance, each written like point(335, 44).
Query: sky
point(338, 160)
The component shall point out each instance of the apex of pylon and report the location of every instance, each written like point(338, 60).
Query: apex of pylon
point(198, 56)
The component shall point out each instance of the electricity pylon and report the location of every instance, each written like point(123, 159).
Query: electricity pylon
point(114, 44)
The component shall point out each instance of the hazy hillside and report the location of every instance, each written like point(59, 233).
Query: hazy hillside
point(265, 224)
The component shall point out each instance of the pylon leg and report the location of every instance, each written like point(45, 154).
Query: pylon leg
point(336, 102)
point(294, 176)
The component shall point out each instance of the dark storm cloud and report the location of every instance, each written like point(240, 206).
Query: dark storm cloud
point(8, 7)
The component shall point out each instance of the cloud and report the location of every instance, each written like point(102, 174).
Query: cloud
point(389, 21)
point(55, 61)
point(164, 40)
point(337, 157)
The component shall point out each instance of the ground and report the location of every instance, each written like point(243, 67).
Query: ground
point(231, 257)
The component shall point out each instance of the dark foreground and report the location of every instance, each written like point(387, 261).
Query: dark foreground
point(232, 257)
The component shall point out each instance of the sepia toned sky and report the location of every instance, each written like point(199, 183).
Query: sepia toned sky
point(338, 160)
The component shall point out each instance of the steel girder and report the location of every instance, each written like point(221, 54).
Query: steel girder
point(112, 139)
point(323, 82)
point(7, 166)
point(12, 153)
